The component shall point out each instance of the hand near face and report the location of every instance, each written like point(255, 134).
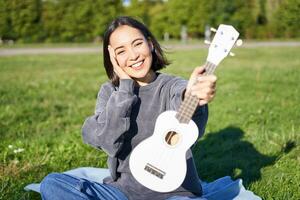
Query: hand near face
point(117, 69)
point(202, 86)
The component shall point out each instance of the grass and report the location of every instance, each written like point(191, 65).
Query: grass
point(253, 131)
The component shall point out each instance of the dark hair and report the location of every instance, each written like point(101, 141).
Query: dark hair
point(159, 61)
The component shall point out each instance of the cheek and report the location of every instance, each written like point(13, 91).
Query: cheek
point(121, 61)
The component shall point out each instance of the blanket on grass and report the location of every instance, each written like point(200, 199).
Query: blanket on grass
point(221, 189)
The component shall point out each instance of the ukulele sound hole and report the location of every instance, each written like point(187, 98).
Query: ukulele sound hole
point(172, 138)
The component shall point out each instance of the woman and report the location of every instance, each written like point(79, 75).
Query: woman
point(126, 111)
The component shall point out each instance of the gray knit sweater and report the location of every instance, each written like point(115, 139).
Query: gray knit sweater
point(124, 117)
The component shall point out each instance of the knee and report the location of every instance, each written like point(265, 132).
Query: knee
point(48, 184)
point(50, 179)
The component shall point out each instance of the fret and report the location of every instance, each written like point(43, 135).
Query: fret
point(190, 103)
point(209, 68)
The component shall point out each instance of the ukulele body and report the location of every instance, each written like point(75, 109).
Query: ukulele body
point(159, 162)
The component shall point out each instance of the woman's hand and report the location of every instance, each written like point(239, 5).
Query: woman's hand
point(202, 86)
point(117, 69)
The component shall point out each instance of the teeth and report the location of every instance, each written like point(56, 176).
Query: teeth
point(137, 64)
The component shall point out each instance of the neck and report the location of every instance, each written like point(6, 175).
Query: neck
point(151, 75)
point(190, 103)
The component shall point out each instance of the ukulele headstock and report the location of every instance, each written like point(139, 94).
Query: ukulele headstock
point(224, 39)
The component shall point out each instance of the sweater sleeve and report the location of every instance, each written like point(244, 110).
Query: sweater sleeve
point(200, 116)
point(105, 129)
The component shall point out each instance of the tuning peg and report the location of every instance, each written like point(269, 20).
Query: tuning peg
point(207, 42)
point(239, 42)
point(231, 54)
point(213, 29)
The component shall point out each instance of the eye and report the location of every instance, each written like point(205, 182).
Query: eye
point(138, 44)
point(120, 52)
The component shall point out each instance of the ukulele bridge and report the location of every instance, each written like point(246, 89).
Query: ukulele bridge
point(155, 171)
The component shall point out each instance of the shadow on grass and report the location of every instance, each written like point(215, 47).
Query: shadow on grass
point(224, 153)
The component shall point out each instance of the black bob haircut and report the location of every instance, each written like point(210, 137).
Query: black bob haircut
point(159, 61)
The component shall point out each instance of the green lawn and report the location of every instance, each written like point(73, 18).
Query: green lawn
point(253, 131)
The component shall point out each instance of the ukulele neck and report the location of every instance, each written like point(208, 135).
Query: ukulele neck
point(190, 102)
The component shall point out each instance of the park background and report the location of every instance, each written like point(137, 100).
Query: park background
point(85, 21)
point(51, 70)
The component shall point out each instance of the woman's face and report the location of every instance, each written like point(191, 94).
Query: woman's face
point(132, 51)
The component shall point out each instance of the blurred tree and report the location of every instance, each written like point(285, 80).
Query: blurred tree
point(5, 22)
point(104, 12)
point(179, 14)
point(85, 21)
point(262, 16)
point(200, 15)
point(238, 13)
point(271, 8)
point(53, 19)
point(159, 20)
point(243, 17)
point(77, 21)
point(141, 9)
point(287, 19)
point(22, 20)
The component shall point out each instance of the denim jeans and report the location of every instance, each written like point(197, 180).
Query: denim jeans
point(86, 183)
point(58, 186)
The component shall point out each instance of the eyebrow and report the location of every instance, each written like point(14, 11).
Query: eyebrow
point(131, 43)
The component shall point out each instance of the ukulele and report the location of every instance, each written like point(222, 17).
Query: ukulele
point(159, 162)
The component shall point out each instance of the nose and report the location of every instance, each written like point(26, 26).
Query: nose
point(133, 55)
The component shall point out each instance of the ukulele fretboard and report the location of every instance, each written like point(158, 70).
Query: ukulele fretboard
point(190, 103)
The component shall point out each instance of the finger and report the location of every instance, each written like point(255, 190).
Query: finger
point(207, 94)
point(193, 78)
point(117, 69)
point(205, 101)
point(202, 102)
point(200, 94)
point(206, 87)
point(210, 78)
point(200, 90)
point(197, 72)
point(203, 85)
point(111, 52)
point(112, 56)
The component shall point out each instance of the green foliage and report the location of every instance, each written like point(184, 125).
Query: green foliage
point(178, 12)
point(56, 21)
point(158, 23)
point(85, 21)
point(21, 20)
point(287, 19)
point(78, 22)
point(140, 9)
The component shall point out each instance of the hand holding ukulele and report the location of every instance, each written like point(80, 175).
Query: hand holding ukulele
point(202, 86)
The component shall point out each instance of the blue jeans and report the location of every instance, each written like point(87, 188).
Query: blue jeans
point(60, 186)
point(86, 183)
point(56, 186)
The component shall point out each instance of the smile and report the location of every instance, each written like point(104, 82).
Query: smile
point(137, 65)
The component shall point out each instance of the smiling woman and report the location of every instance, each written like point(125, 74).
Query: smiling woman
point(125, 115)
point(130, 47)
point(131, 52)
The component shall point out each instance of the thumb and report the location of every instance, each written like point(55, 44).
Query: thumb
point(198, 71)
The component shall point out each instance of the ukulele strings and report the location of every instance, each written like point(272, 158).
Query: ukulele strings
point(187, 109)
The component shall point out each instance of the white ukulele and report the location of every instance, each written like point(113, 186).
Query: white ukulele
point(159, 162)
